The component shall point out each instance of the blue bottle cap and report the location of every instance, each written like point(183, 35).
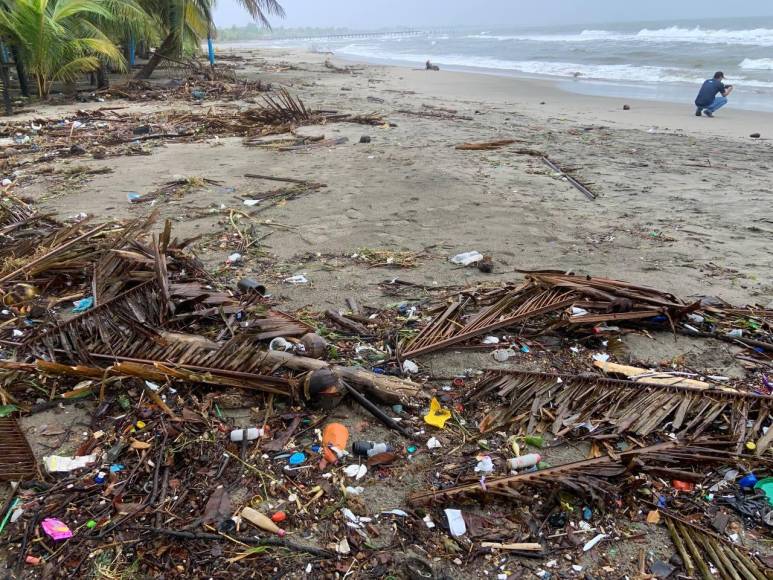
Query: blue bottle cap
point(297, 459)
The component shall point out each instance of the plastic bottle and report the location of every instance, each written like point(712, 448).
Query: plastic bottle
point(261, 521)
point(528, 460)
point(370, 448)
point(467, 258)
point(335, 436)
point(253, 433)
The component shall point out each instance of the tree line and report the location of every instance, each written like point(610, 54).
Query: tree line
point(59, 40)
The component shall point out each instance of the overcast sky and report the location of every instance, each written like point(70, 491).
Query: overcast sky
point(387, 13)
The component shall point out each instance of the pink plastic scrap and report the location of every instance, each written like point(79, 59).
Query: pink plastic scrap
point(57, 529)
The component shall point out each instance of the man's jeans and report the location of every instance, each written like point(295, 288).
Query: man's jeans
point(718, 103)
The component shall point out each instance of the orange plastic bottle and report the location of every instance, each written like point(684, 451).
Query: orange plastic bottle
point(334, 435)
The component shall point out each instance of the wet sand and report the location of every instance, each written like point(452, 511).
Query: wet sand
point(684, 203)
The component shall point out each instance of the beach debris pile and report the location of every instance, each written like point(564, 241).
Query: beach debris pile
point(38, 147)
point(219, 434)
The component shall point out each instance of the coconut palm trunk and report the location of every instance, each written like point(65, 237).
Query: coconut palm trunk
point(103, 78)
point(166, 49)
point(21, 71)
point(6, 78)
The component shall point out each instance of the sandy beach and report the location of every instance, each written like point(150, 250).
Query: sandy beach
point(682, 204)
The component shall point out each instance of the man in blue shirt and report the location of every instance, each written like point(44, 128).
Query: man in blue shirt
point(707, 100)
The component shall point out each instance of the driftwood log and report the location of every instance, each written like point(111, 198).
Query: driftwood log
point(384, 388)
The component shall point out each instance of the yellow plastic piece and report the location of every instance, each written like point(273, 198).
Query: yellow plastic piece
point(437, 415)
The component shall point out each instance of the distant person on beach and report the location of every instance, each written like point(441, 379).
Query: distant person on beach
point(431, 66)
point(707, 100)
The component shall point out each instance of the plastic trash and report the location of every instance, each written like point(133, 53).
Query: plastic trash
point(356, 471)
point(466, 258)
point(251, 202)
point(353, 520)
point(485, 465)
point(735, 333)
point(247, 285)
point(56, 529)
point(281, 344)
point(534, 440)
point(235, 258)
point(410, 367)
point(748, 481)
point(334, 439)
point(83, 304)
point(437, 415)
point(133, 197)
point(297, 279)
point(237, 435)
point(524, 461)
point(766, 485)
point(279, 517)
point(296, 459)
point(590, 544)
point(433, 443)
point(261, 521)
point(61, 464)
point(370, 448)
point(456, 524)
point(503, 354)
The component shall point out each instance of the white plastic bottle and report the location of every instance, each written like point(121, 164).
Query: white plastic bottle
point(528, 460)
point(253, 433)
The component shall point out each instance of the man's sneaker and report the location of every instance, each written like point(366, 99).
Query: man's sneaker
point(698, 112)
point(708, 113)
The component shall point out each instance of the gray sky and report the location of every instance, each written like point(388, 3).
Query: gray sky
point(386, 13)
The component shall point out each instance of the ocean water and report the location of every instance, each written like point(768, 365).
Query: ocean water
point(655, 60)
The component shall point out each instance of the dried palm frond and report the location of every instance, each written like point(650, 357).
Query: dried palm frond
point(595, 477)
point(593, 301)
point(537, 402)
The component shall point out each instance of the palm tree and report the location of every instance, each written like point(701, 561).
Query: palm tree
point(129, 21)
point(187, 22)
point(58, 39)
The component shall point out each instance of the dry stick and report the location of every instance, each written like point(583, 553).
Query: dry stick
point(748, 342)
point(341, 320)
point(375, 411)
point(576, 184)
point(282, 179)
point(279, 543)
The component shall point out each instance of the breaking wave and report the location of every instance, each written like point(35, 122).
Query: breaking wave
point(751, 37)
point(603, 72)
